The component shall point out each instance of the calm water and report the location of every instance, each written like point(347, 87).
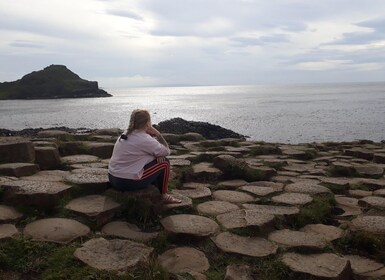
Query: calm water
point(287, 114)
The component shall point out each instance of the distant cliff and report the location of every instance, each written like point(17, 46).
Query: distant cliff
point(54, 81)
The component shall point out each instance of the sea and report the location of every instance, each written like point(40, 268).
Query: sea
point(273, 113)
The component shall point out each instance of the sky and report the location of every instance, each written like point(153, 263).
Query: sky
point(141, 43)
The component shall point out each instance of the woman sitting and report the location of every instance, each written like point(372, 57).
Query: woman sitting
point(139, 158)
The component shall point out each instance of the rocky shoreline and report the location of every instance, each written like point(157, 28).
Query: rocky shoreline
point(175, 126)
point(250, 210)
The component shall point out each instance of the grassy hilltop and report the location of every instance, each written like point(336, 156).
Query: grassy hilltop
point(54, 81)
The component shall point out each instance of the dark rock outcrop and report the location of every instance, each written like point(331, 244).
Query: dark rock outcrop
point(207, 130)
point(54, 81)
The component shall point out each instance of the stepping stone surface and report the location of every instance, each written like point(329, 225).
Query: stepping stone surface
point(233, 196)
point(7, 231)
point(272, 209)
point(127, 230)
point(371, 224)
point(8, 214)
point(361, 265)
point(372, 201)
point(298, 239)
point(92, 205)
point(328, 233)
point(194, 193)
point(245, 218)
point(57, 230)
point(216, 207)
point(249, 246)
point(293, 198)
point(329, 266)
point(238, 272)
point(307, 187)
point(184, 259)
point(76, 159)
point(18, 169)
point(190, 224)
point(258, 190)
point(113, 255)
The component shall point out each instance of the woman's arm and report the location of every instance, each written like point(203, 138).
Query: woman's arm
point(155, 133)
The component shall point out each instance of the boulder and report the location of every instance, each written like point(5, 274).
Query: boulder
point(293, 198)
point(16, 149)
point(233, 196)
point(297, 239)
point(18, 169)
point(47, 157)
point(43, 195)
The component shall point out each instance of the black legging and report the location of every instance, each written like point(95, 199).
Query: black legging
point(154, 173)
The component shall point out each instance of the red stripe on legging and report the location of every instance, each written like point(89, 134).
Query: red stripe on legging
point(155, 168)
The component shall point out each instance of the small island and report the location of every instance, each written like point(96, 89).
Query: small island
point(54, 81)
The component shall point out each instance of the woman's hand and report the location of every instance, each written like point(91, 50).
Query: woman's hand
point(152, 131)
point(160, 159)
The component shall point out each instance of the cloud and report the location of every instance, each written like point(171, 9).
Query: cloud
point(126, 14)
point(26, 44)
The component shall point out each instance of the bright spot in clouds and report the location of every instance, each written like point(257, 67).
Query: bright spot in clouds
point(195, 42)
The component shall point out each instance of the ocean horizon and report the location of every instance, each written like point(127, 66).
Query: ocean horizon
point(272, 113)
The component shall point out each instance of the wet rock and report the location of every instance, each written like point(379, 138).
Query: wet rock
point(57, 230)
point(113, 255)
point(249, 246)
point(190, 224)
point(184, 259)
point(129, 231)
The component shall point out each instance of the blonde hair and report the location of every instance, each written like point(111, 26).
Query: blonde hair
point(138, 120)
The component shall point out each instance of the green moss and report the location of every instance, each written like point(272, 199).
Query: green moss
point(25, 256)
point(318, 211)
point(265, 150)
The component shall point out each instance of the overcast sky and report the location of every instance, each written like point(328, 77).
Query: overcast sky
point(130, 43)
